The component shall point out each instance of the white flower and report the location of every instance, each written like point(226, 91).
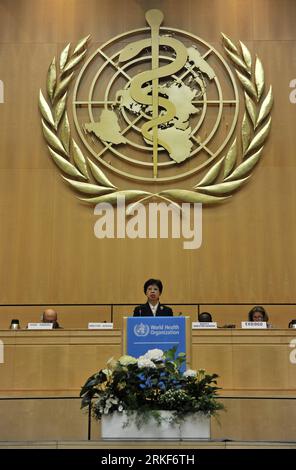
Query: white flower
point(111, 401)
point(111, 363)
point(190, 373)
point(201, 373)
point(108, 373)
point(154, 354)
point(144, 362)
point(120, 408)
point(126, 360)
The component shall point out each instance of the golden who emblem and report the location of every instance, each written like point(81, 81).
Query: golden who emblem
point(158, 106)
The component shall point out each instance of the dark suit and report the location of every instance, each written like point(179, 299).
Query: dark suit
point(145, 311)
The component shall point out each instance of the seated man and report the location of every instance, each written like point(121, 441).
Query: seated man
point(205, 317)
point(50, 316)
point(153, 289)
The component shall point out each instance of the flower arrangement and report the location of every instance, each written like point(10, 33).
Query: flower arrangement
point(148, 384)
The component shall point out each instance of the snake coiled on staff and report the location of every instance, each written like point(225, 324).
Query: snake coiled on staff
point(140, 93)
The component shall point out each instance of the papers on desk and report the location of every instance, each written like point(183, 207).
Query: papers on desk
point(100, 326)
point(254, 324)
point(203, 324)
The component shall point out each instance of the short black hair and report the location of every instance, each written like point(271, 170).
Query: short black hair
point(204, 317)
point(260, 309)
point(150, 282)
point(292, 322)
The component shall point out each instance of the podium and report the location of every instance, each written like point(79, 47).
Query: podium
point(144, 333)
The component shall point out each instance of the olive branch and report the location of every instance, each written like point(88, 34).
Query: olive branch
point(255, 128)
point(64, 151)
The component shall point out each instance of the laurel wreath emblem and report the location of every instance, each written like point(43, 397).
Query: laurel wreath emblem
point(223, 178)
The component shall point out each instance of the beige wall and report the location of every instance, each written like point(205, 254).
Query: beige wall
point(48, 252)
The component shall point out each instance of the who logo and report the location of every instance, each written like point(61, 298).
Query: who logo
point(157, 113)
point(141, 329)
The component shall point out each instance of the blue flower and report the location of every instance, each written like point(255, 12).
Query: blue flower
point(161, 385)
point(141, 376)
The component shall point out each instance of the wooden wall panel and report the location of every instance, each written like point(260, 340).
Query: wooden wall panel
point(247, 362)
point(43, 370)
point(48, 251)
point(27, 21)
point(54, 363)
point(62, 419)
point(69, 316)
point(279, 315)
point(256, 420)
point(267, 25)
point(23, 71)
point(42, 419)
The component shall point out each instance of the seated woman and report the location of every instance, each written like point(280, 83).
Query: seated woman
point(153, 289)
point(259, 314)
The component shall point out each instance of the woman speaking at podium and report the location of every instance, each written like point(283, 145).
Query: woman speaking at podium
point(153, 289)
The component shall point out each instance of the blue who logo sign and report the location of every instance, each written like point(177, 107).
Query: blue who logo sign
point(144, 333)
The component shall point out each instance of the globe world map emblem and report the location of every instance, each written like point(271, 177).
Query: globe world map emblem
point(156, 103)
point(141, 329)
point(161, 107)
